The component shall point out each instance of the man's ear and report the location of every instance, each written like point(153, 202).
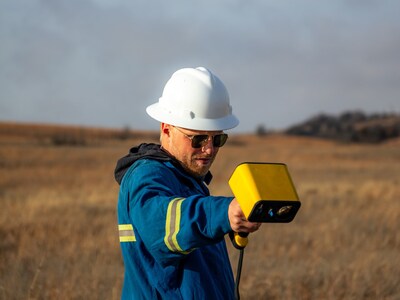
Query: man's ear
point(165, 128)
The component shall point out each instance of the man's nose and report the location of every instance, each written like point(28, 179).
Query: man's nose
point(208, 147)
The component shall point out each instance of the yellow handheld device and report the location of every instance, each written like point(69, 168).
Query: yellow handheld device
point(265, 192)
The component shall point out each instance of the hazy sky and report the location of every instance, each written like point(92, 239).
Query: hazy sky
point(101, 62)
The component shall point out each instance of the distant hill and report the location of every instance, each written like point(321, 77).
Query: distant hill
point(350, 127)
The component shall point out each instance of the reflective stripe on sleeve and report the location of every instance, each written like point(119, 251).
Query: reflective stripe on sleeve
point(172, 225)
point(126, 233)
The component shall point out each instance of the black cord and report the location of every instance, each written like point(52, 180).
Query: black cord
point(238, 274)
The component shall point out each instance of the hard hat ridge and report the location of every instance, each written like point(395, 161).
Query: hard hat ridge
point(194, 98)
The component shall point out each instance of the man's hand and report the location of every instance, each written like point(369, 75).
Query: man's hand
point(237, 219)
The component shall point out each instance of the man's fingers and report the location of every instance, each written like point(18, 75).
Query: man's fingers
point(246, 226)
point(238, 220)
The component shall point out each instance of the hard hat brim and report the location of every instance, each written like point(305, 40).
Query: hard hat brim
point(161, 114)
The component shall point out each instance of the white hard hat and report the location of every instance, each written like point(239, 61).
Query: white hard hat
point(194, 99)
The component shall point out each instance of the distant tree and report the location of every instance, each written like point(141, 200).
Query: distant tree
point(125, 133)
point(261, 130)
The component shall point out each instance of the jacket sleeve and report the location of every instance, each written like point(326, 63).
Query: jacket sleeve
point(170, 221)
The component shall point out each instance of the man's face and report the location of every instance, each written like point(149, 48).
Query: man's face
point(196, 161)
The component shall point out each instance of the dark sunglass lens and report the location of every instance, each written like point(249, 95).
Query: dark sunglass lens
point(220, 140)
point(199, 140)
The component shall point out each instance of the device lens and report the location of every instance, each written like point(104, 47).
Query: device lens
point(284, 211)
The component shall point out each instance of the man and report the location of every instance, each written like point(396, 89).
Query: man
point(171, 230)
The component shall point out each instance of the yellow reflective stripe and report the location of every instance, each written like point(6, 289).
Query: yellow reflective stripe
point(125, 227)
point(172, 225)
point(126, 233)
point(123, 239)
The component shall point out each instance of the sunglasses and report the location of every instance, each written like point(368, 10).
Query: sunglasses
point(200, 140)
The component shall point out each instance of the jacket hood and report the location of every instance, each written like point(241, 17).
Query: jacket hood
point(152, 151)
point(149, 151)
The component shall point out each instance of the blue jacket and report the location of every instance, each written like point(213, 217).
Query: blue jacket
point(171, 231)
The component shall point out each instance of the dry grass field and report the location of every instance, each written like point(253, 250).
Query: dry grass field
point(58, 233)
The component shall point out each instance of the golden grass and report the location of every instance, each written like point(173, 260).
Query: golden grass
point(58, 237)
